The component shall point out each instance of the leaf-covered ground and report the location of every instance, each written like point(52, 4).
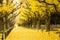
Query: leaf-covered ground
point(21, 33)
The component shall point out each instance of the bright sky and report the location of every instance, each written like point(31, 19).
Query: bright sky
point(16, 1)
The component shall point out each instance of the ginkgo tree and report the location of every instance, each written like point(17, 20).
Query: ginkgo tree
point(45, 8)
point(8, 12)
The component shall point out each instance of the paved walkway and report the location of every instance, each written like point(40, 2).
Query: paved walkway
point(21, 33)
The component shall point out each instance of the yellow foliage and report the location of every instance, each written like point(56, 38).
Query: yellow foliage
point(30, 6)
point(49, 1)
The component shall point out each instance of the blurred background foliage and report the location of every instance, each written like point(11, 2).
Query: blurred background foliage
point(29, 7)
point(31, 12)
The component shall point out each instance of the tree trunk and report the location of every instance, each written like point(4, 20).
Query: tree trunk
point(47, 20)
point(4, 19)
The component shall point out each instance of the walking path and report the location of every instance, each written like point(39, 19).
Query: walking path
point(21, 33)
